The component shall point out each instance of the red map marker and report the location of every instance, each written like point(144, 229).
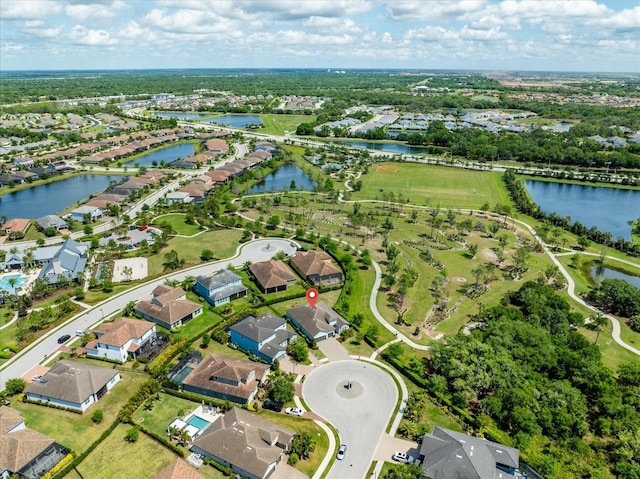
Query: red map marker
point(312, 297)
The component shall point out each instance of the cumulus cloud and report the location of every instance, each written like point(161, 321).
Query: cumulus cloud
point(33, 9)
point(94, 11)
point(189, 22)
point(81, 35)
point(433, 10)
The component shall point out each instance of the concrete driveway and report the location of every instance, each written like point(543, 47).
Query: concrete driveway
point(389, 444)
point(333, 350)
point(360, 414)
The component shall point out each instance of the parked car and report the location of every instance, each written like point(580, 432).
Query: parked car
point(402, 457)
point(64, 338)
point(341, 452)
point(36, 378)
point(294, 411)
point(273, 405)
point(79, 333)
point(143, 228)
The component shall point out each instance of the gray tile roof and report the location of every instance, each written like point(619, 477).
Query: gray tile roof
point(454, 455)
point(314, 321)
point(218, 279)
point(260, 328)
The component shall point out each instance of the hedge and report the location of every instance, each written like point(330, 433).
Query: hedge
point(162, 441)
point(65, 460)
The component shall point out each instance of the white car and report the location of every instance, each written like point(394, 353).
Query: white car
point(402, 457)
point(294, 411)
point(79, 333)
point(36, 378)
point(341, 452)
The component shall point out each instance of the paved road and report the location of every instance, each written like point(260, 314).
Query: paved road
point(254, 251)
point(360, 415)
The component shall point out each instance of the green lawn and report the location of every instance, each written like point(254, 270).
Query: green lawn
point(164, 411)
point(177, 223)
point(433, 185)
point(115, 457)
point(223, 243)
point(79, 431)
point(278, 124)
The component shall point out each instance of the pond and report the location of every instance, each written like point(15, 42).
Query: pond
point(390, 147)
point(606, 273)
point(608, 209)
point(236, 121)
point(168, 155)
point(53, 198)
point(180, 115)
point(280, 180)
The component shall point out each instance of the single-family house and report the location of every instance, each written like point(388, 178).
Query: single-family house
point(220, 287)
point(73, 385)
point(272, 276)
point(52, 221)
point(178, 197)
point(23, 451)
point(168, 307)
point(68, 261)
point(178, 469)
point(86, 214)
point(318, 323)
point(216, 146)
point(265, 336)
point(23, 162)
point(219, 176)
point(447, 454)
point(251, 446)
point(225, 378)
point(15, 224)
point(316, 267)
point(120, 339)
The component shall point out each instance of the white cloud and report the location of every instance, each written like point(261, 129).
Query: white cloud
point(51, 33)
point(431, 34)
point(189, 22)
point(432, 10)
point(32, 9)
point(491, 35)
point(83, 36)
point(94, 11)
point(332, 24)
point(302, 38)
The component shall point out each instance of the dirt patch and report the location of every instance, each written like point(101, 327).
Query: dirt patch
point(489, 255)
point(459, 279)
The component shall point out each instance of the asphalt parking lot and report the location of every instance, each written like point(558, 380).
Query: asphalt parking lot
point(360, 414)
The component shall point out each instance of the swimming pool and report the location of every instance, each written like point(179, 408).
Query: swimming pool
point(182, 374)
point(5, 284)
point(198, 422)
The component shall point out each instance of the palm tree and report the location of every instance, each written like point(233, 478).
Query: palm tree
point(598, 321)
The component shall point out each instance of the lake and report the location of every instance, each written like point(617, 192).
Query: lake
point(280, 180)
point(53, 198)
point(172, 153)
point(608, 209)
point(236, 121)
point(607, 273)
point(181, 116)
point(390, 147)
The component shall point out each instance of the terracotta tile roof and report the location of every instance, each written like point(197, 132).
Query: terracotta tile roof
point(121, 331)
point(178, 469)
point(271, 273)
point(217, 175)
point(314, 262)
point(20, 447)
point(172, 311)
point(16, 224)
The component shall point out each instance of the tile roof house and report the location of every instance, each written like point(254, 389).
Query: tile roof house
point(220, 287)
point(178, 469)
point(52, 221)
point(23, 451)
point(168, 307)
point(317, 323)
point(15, 224)
point(316, 267)
point(226, 378)
point(272, 276)
point(449, 454)
point(120, 339)
point(250, 445)
point(68, 260)
point(265, 336)
point(73, 385)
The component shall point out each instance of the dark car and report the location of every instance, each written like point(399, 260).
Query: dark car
point(273, 405)
point(64, 338)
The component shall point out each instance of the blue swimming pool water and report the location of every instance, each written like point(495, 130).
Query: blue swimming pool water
point(198, 422)
point(182, 374)
point(4, 282)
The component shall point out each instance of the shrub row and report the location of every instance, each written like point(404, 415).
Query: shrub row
point(48, 404)
point(147, 388)
point(58, 467)
point(163, 441)
point(157, 366)
point(227, 471)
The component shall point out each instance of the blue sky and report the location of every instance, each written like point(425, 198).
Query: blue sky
point(562, 35)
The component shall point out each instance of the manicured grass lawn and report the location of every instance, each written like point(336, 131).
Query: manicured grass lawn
point(433, 185)
point(200, 323)
point(78, 431)
point(94, 297)
point(164, 412)
point(115, 457)
point(299, 425)
point(278, 124)
point(177, 223)
point(223, 243)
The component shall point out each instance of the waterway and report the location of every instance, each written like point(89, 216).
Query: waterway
point(181, 116)
point(53, 198)
point(236, 121)
point(280, 180)
point(608, 209)
point(606, 273)
point(390, 147)
point(168, 155)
